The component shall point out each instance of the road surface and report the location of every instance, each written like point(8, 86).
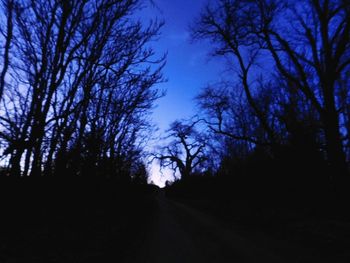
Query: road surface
point(183, 234)
point(139, 227)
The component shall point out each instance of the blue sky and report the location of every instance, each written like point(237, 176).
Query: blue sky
point(189, 67)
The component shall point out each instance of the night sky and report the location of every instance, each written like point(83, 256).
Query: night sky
point(189, 66)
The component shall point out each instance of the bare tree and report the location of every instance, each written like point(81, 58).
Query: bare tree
point(315, 68)
point(84, 71)
point(227, 112)
point(309, 43)
point(186, 150)
point(8, 7)
point(225, 25)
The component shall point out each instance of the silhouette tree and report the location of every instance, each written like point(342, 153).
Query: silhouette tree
point(227, 112)
point(225, 25)
point(8, 7)
point(82, 71)
point(186, 150)
point(308, 41)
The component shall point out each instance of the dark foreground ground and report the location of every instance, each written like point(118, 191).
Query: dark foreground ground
point(48, 220)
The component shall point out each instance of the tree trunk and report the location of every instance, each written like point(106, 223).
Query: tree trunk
point(9, 35)
point(15, 163)
point(330, 116)
point(27, 161)
point(334, 146)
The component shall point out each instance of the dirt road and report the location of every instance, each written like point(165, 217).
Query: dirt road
point(183, 234)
